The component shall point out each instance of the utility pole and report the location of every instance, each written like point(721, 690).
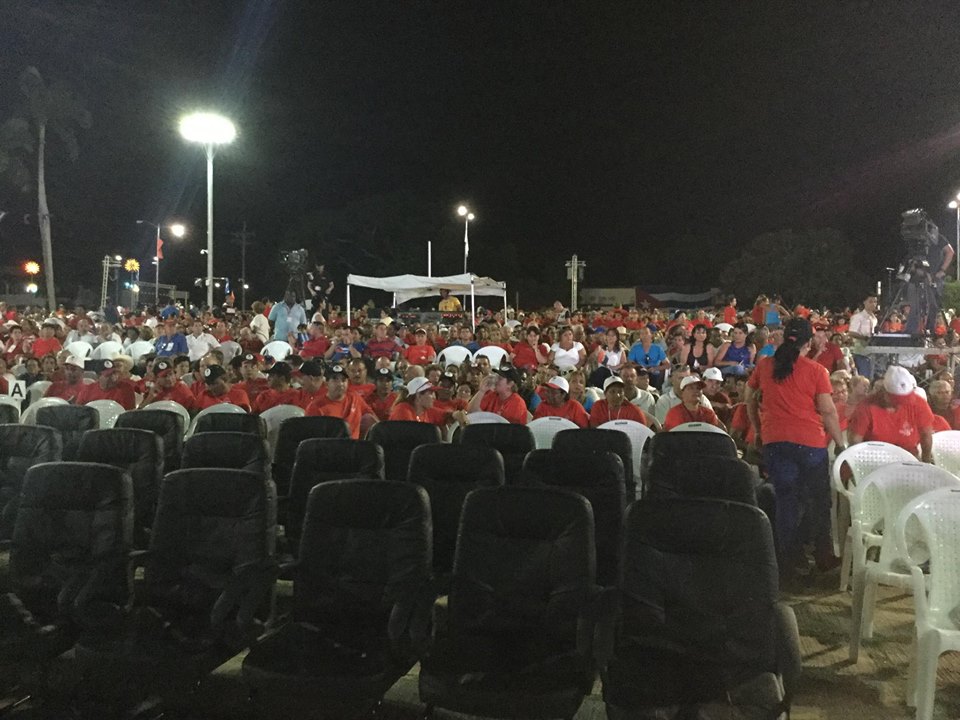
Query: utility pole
point(243, 238)
point(575, 270)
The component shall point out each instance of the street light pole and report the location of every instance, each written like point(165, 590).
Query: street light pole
point(210, 225)
point(955, 205)
point(467, 216)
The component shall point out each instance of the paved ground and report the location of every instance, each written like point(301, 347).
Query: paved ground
point(831, 688)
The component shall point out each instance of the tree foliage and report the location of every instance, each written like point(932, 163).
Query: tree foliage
point(817, 267)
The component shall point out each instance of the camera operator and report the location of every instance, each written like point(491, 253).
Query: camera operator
point(320, 286)
point(928, 278)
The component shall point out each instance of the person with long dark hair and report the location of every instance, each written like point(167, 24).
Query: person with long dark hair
point(697, 353)
point(798, 420)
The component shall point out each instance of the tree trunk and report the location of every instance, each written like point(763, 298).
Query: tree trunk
point(43, 220)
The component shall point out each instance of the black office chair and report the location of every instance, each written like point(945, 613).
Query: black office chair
point(237, 450)
point(512, 441)
point(21, 447)
point(169, 426)
point(72, 421)
point(594, 440)
point(398, 438)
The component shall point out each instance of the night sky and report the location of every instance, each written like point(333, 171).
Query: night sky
point(654, 139)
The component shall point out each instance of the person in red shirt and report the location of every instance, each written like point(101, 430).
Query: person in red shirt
point(415, 403)
point(219, 390)
point(839, 394)
point(498, 394)
point(317, 344)
point(47, 342)
point(312, 385)
point(690, 409)
point(825, 352)
point(730, 311)
point(614, 406)
point(382, 399)
point(798, 415)
point(529, 353)
point(340, 403)
point(108, 387)
point(69, 388)
point(381, 345)
point(279, 392)
point(446, 389)
point(253, 382)
point(167, 386)
point(420, 353)
point(894, 413)
point(557, 403)
point(357, 372)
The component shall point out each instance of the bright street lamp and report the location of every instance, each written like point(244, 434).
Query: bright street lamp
point(210, 130)
point(464, 212)
point(177, 230)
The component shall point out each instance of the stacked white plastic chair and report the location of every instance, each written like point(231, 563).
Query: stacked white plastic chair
point(277, 349)
point(544, 429)
point(454, 355)
point(218, 408)
point(230, 350)
point(862, 459)
point(172, 406)
point(274, 417)
point(29, 416)
point(638, 434)
point(878, 500)
point(494, 353)
point(698, 427)
point(109, 411)
point(79, 348)
point(485, 418)
point(139, 348)
point(946, 450)
point(107, 350)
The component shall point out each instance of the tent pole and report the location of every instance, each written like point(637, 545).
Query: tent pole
point(473, 306)
point(349, 314)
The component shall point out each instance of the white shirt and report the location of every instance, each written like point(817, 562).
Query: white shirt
point(863, 323)
point(200, 345)
point(260, 327)
point(644, 400)
point(566, 358)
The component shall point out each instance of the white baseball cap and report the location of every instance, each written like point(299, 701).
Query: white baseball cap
point(559, 383)
point(74, 360)
point(713, 374)
point(418, 385)
point(612, 380)
point(898, 380)
point(690, 380)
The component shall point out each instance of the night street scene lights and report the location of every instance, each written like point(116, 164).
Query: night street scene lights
point(464, 212)
point(178, 230)
point(209, 130)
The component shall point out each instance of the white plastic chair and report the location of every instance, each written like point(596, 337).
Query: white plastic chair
point(724, 327)
point(12, 402)
point(494, 353)
point(172, 406)
point(218, 408)
point(862, 459)
point(107, 350)
point(639, 435)
point(36, 391)
point(109, 411)
point(878, 500)
point(139, 348)
point(481, 418)
point(274, 417)
point(931, 525)
point(545, 428)
point(29, 416)
point(230, 350)
point(946, 450)
point(79, 348)
point(278, 349)
point(698, 427)
point(454, 355)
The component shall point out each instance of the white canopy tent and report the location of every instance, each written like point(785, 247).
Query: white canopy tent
point(409, 287)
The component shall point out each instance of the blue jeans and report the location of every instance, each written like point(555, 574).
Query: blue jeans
point(864, 365)
point(801, 479)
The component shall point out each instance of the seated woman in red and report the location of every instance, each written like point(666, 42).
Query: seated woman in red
point(557, 403)
point(415, 403)
point(498, 395)
point(893, 413)
point(690, 409)
point(614, 406)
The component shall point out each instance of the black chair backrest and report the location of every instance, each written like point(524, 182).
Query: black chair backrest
point(321, 460)
point(8, 414)
point(168, 425)
point(448, 473)
point(524, 565)
point(513, 442)
point(398, 438)
point(599, 478)
point(72, 421)
point(22, 446)
point(292, 432)
point(698, 594)
point(594, 440)
point(536, 465)
point(140, 453)
point(365, 549)
point(212, 543)
point(236, 450)
point(70, 546)
point(709, 476)
point(230, 422)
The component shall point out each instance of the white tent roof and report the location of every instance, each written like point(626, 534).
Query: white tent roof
point(408, 287)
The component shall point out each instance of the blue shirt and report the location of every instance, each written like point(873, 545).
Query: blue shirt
point(168, 347)
point(286, 319)
point(650, 358)
point(169, 311)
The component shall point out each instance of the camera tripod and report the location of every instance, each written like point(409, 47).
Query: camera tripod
point(921, 295)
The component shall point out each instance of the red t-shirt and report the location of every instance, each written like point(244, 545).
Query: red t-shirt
point(514, 409)
point(252, 388)
point(940, 423)
point(308, 397)
point(571, 410)
point(271, 398)
point(831, 357)
point(899, 425)
point(741, 422)
point(679, 414)
point(381, 408)
point(404, 411)
point(420, 354)
point(525, 357)
point(235, 395)
point(600, 413)
point(381, 348)
point(350, 407)
point(61, 389)
point(789, 407)
point(45, 346)
point(122, 393)
point(315, 347)
point(179, 393)
point(730, 315)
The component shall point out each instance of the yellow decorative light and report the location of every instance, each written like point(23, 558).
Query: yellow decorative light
point(31, 267)
point(132, 265)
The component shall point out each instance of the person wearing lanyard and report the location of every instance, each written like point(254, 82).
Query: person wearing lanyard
point(798, 419)
point(690, 410)
point(287, 316)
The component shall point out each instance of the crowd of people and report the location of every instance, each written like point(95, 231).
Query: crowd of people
point(784, 383)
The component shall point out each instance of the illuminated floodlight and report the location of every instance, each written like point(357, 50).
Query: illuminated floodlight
point(207, 128)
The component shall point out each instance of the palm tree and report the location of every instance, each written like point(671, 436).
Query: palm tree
point(46, 107)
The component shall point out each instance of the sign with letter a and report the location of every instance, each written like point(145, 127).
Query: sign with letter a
point(17, 389)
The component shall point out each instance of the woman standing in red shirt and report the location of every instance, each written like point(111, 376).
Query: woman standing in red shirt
point(798, 416)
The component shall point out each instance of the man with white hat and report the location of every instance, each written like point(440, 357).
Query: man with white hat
point(557, 403)
point(671, 397)
point(719, 400)
point(69, 388)
point(613, 405)
point(895, 414)
point(690, 410)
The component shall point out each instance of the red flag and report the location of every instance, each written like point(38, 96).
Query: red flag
point(159, 249)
